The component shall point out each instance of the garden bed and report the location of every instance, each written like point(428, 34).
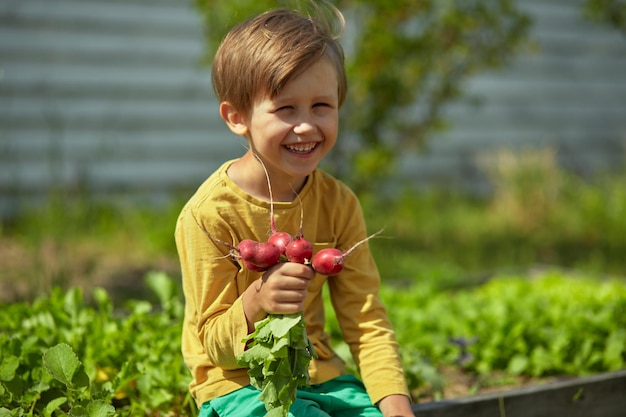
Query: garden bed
point(602, 395)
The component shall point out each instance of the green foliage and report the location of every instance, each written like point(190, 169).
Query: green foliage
point(62, 356)
point(611, 12)
point(63, 365)
point(536, 214)
point(70, 239)
point(551, 323)
point(59, 356)
point(74, 217)
point(405, 61)
point(277, 359)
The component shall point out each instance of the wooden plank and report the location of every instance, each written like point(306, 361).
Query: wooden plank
point(108, 110)
point(104, 176)
point(110, 16)
point(184, 145)
point(602, 395)
point(83, 42)
point(27, 82)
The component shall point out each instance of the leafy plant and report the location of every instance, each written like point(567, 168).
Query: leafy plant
point(278, 357)
point(610, 12)
point(62, 356)
point(552, 323)
point(61, 363)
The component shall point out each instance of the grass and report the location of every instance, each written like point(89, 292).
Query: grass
point(537, 214)
point(74, 241)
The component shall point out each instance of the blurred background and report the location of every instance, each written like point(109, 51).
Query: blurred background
point(486, 137)
point(108, 122)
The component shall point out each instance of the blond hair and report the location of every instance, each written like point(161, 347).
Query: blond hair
point(259, 56)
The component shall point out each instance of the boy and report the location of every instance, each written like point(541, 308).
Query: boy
point(280, 80)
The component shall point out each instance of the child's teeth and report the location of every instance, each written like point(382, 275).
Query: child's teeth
point(301, 148)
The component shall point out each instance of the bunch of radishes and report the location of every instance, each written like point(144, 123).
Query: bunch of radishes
point(281, 246)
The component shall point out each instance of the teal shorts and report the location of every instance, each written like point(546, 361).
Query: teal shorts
point(344, 396)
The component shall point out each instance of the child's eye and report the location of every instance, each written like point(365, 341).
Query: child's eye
point(321, 105)
point(281, 108)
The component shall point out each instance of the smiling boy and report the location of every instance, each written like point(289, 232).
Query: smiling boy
point(280, 80)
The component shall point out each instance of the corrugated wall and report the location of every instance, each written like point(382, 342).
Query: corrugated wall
point(109, 95)
point(568, 92)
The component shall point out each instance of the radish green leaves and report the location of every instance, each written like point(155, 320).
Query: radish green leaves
point(277, 359)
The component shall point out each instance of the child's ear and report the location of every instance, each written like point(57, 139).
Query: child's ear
point(234, 119)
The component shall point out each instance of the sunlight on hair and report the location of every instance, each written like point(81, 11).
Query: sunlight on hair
point(326, 14)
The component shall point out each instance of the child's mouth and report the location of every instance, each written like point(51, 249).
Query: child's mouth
point(301, 148)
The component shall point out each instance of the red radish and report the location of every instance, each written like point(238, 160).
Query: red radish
point(280, 240)
point(260, 254)
point(246, 248)
point(299, 250)
point(330, 261)
point(256, 256)
point(253, 267)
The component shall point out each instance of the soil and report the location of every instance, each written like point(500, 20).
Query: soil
point(458, 383)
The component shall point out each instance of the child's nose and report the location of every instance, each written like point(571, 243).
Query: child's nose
point(305, 126)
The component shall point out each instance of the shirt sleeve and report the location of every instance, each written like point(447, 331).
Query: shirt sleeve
point(211, 284)
point(361, 314)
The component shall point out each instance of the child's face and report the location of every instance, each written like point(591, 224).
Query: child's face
point(293, 131)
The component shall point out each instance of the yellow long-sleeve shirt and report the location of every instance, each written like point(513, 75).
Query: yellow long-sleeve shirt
point(215, 324)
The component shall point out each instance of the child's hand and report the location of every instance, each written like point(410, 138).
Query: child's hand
point(396, 406)
point(281, 290)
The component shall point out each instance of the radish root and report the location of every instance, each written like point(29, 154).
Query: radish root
point(360, 242)
point(269, 189)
